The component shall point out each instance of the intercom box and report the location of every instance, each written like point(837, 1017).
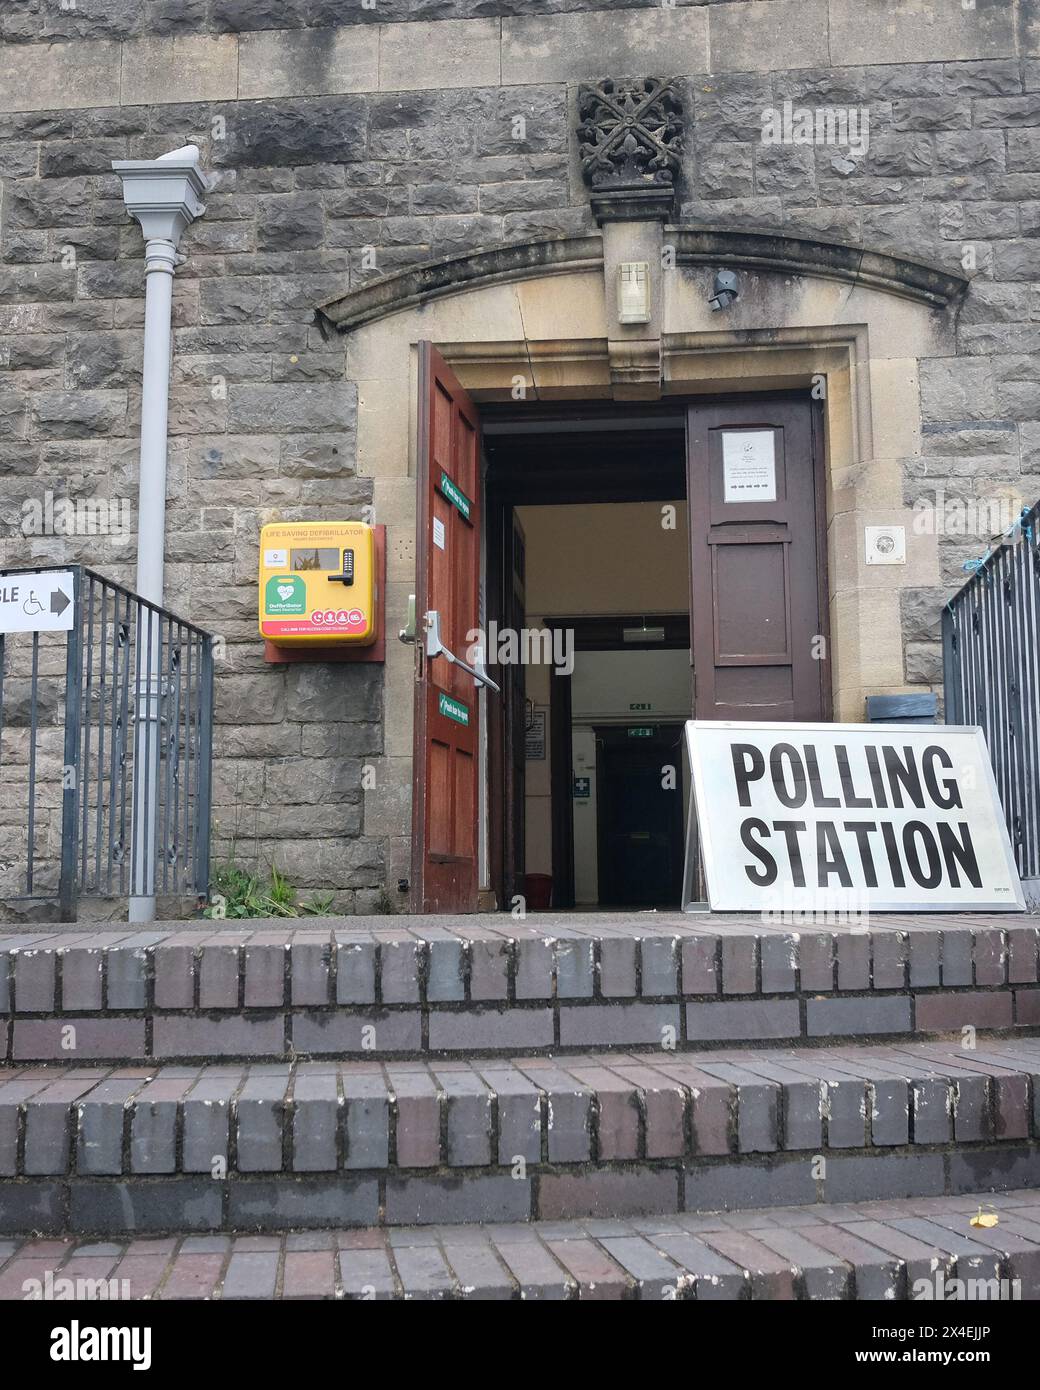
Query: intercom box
point(318, 584)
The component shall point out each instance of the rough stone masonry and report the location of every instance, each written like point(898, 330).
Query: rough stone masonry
point(348, 140)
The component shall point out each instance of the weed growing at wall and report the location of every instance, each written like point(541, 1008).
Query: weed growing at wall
point(238, 893)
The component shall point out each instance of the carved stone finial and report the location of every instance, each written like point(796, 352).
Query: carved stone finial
point(631, 132)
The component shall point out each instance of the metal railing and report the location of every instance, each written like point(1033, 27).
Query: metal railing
point(106, 744)
point(991, 673)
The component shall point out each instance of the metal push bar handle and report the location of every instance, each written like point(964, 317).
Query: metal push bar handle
point(435, 647)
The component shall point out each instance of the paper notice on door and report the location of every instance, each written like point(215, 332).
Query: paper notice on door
point(438, 533)
point(749, 466)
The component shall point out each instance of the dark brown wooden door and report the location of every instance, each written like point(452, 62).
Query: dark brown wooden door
point(756, 572)
point(444, 809)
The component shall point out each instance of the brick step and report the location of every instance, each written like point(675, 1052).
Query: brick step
point(873, 1251)
point(411, 987)
point(310, 1144)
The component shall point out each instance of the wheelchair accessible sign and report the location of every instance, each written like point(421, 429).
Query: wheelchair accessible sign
point(37, 602)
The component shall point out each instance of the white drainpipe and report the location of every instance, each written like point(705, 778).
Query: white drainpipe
point(165, 196)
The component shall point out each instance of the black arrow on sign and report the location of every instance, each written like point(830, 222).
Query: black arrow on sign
point(59, 601)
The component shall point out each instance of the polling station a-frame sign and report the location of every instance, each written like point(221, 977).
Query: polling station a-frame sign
point(873, 817)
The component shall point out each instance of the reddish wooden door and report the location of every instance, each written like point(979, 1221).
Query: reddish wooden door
point(757, 587)
point(444, 809)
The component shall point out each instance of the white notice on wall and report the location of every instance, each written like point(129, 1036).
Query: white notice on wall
point(438, 533)
point(534, 738)
point(749, 466)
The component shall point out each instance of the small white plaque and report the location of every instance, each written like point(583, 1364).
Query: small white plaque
point(276, 559)
point(438, 533)
point(885, 545)
point(749, 466)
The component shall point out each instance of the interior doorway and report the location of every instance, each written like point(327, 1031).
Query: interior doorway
point(667, 558)
point(594, 501)
point(639, 830)
point(618, 785)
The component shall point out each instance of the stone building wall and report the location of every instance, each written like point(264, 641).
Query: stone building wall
point(346, 142)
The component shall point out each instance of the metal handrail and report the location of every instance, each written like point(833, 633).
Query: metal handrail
point(137, 748)
point(991, 674)
point(109, 584)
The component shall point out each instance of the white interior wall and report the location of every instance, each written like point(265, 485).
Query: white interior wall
point(636, 687)
point(601, 559)
point(604, 689)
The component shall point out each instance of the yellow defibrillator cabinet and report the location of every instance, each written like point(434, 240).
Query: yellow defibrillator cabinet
point(318, 583)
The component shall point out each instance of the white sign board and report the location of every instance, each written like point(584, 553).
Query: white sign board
point(849, 817)
point(37, 602)
point(748, 466)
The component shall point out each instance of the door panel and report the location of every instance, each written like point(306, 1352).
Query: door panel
point(756, 556)
point(444, 809)
point(751, 587)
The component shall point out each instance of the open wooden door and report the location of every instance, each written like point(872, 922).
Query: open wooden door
point(445, 805)
point(757, 583)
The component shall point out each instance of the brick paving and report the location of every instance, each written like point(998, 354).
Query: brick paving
point(554, 1069)
point(866, 1250)
point(327, 1117)
point(404, 985)
point(221, 1146)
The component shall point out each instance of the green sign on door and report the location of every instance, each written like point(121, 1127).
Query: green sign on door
point(455, 495)
point(453, 709)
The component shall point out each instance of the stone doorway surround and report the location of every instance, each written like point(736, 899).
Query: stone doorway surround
point(539, 321)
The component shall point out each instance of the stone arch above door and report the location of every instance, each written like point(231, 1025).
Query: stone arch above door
point(754, 250)
point(535, 321)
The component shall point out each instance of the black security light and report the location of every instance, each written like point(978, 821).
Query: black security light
point(724, 291)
